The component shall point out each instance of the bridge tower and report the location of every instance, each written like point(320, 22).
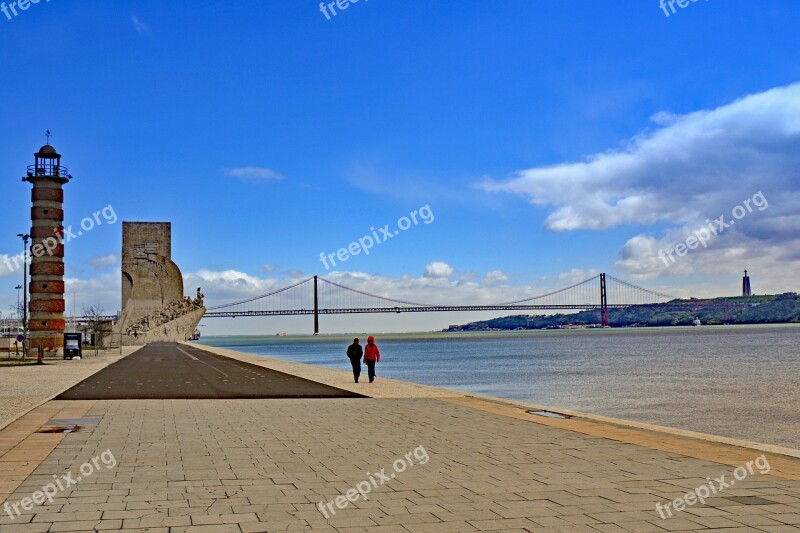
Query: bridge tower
point(46, 323)
point(316, 306)
point(603, 301)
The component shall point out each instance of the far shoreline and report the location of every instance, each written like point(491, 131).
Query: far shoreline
point(445, 333)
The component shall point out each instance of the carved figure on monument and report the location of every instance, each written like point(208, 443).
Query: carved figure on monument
point(199, 300)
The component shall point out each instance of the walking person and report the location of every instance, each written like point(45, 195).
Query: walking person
point(354, 352)
point(371, 356)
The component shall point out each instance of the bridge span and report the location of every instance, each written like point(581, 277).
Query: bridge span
point(315, 296)
point(319, 296)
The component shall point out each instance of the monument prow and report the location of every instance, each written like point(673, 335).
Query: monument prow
point(154, 307)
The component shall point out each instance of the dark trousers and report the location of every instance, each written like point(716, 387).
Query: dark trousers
point(356, 362)
point(371, 370)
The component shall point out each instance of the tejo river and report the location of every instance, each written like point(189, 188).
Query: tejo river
point(735, 381)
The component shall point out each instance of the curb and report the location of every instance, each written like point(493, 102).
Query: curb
point(707, 437)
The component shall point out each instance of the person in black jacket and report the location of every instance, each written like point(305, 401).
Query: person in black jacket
point(354, 352)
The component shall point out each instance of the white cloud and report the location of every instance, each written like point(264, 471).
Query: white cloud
point(438, 269)
point(103, 291)
point(269, 267)
point(676, 172)
point(140, 27)
point(221, 286)
point(230, 285)
point(11, 264)
point(254, 174)
point(427, 289)
point(104, 261)
point(576, 275)
point(686, 169)
point(496, 276)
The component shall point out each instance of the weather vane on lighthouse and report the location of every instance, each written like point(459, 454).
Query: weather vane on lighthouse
point(48, 135)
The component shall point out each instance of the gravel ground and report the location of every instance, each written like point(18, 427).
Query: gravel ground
point(23, 387)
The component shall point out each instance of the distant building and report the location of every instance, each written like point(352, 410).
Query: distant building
point(746, 290)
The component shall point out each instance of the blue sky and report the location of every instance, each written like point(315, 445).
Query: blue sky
point(552, 140)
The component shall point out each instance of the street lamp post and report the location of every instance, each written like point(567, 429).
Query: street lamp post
point(24, 238)
point(18, 287)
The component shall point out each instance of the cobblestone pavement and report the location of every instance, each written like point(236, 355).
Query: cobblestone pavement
point(269, 465)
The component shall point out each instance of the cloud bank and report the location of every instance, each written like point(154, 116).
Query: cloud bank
point(683, 170)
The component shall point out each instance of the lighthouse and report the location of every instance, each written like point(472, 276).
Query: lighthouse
point(46, 322)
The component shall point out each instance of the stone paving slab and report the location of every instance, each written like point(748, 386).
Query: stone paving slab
point(265, 465)
point(22, 449)
point(24, 387)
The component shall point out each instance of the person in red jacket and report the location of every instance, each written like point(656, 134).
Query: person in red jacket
point(371, 356)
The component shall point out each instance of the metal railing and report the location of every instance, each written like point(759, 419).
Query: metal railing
point(48, 171)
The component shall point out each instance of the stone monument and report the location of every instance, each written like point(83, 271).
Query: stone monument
point(154, 307)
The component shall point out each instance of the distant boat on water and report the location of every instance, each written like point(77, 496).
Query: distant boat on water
point(281, 334)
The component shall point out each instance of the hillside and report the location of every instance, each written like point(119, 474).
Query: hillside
point(768, 309)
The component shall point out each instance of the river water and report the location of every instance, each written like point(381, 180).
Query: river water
point(736, 381)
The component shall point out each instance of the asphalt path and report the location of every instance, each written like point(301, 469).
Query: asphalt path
point(170, 371)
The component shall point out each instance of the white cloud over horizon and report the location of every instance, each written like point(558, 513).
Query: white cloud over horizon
point(226, 286)
point(438, 269)
point(496, 276)
point(104, 291)
point(684, 170)
point(104, 261)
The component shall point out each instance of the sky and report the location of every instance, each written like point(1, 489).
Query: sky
point(544, 141)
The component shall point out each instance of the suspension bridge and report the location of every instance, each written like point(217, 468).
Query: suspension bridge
point(319, 296)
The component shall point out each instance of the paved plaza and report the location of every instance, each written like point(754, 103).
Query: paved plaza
point(410, 464)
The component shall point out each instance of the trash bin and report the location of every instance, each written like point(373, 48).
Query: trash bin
point(72, 345)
